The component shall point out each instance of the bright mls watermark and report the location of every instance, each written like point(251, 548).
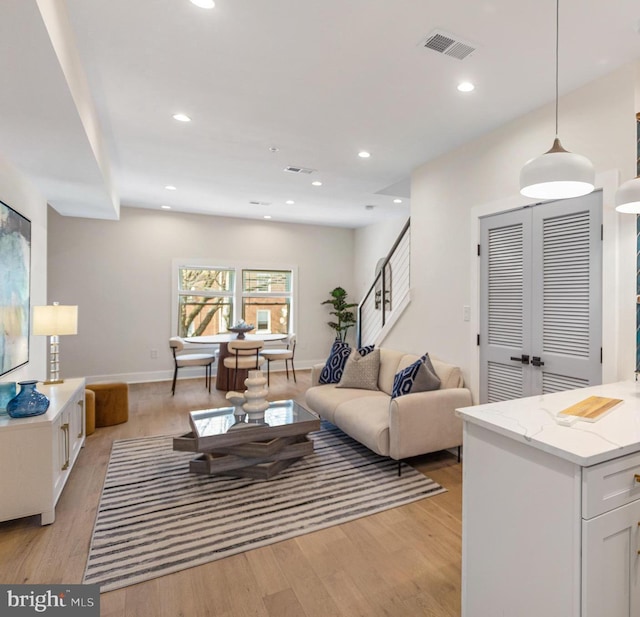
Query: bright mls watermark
point(50, 600)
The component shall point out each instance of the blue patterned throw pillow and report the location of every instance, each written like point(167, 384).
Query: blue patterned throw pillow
point(417, 377)
point(332, 371)
point(367, 349)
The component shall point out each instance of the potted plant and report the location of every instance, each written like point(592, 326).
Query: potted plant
point(342, 311)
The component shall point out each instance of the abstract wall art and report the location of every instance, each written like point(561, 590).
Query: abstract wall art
point(15, 276)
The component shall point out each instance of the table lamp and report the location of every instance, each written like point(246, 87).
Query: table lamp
point(54, 320)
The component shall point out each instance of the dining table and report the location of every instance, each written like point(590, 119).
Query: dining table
point(224, 378)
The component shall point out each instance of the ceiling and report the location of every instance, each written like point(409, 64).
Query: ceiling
point(91, 87)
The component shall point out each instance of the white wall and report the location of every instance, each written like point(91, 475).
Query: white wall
point(119, 275)
point(447, 194)
point(16, 191)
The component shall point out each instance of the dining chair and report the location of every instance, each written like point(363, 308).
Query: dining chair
point(243, 355)
point(286, 355)
point(181, 360)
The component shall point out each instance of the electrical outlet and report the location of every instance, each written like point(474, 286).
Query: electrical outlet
point(466, 313)
point(154, 354)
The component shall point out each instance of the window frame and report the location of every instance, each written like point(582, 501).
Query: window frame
point(238, 293)
point(201, 293)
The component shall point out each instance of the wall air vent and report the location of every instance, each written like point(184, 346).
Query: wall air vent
point(448, 44)
point(298, 170)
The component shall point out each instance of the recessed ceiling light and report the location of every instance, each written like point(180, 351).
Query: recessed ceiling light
point(369, 207)
point(274, 149)
point(316, 183)
point(204, 4)
point(290, 202)
point(364, 154)
point(397, 201)
point(170, 187)
point(466, 86)
point(266, 216)
point(166, 207)
point(181, 118)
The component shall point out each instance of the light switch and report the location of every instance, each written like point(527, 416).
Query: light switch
point(466, 313)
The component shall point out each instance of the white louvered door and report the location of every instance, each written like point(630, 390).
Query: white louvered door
point(567, 298)
point(505, 331)
point(541, 299)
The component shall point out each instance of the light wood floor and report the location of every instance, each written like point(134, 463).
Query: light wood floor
point(403, 562)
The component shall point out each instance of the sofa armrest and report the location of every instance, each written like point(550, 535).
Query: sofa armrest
point(316, 369)
point(426, 422)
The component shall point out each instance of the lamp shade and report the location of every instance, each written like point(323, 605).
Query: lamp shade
point(628, 197)
point(55, 320)
point(557, 174)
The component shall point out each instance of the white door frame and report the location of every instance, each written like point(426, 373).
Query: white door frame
point(618, 284)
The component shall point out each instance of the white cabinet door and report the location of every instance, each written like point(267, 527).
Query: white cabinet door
point(76, 428)
point(611, 563)
point(60, 436)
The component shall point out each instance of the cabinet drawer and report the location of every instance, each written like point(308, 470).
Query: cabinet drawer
point(610, 485)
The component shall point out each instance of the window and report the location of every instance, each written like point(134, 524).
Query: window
point(263, 320)
point(210, 299)
point(266, 300)
point(205, 300)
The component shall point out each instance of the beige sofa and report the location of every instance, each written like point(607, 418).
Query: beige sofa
point(406, 426)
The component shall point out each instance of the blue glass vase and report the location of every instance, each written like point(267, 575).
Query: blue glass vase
point(28, 402)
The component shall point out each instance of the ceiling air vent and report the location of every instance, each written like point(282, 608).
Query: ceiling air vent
point(448, 44)
point(298, 170)
point(260, 203)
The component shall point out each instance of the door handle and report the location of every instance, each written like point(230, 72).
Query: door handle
point(535, 361)
point(523, 358)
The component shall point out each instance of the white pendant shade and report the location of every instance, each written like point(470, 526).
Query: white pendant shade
point(628, 197)
point(557, 174)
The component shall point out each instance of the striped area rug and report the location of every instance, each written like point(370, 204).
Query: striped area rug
point(156, 518)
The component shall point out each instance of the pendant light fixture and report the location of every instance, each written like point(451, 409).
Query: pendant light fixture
point(557, 174)
point(627, 198)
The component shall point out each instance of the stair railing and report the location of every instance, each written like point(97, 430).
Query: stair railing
point(390, 285)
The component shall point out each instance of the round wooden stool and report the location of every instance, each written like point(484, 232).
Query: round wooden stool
point(112, 403)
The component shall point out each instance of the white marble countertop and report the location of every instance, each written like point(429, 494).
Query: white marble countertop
point(532, 420)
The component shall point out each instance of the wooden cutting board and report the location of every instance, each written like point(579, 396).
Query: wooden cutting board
point(592, 408)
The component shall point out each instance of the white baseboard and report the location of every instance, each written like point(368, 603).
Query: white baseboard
point(183, 373)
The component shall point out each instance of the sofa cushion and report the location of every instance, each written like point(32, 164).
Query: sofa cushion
point(361, 371)
point(389, 361)
point(450, 376)
point(366, 419)
point(332, 371)
point(417, 377)
point(324, 400)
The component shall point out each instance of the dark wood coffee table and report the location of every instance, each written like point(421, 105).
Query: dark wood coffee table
point(229, 444)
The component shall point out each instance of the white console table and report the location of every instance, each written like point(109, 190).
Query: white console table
point(37, 454)
point(551, 513)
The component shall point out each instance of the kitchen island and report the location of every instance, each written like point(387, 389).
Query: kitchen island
point(551, 511)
